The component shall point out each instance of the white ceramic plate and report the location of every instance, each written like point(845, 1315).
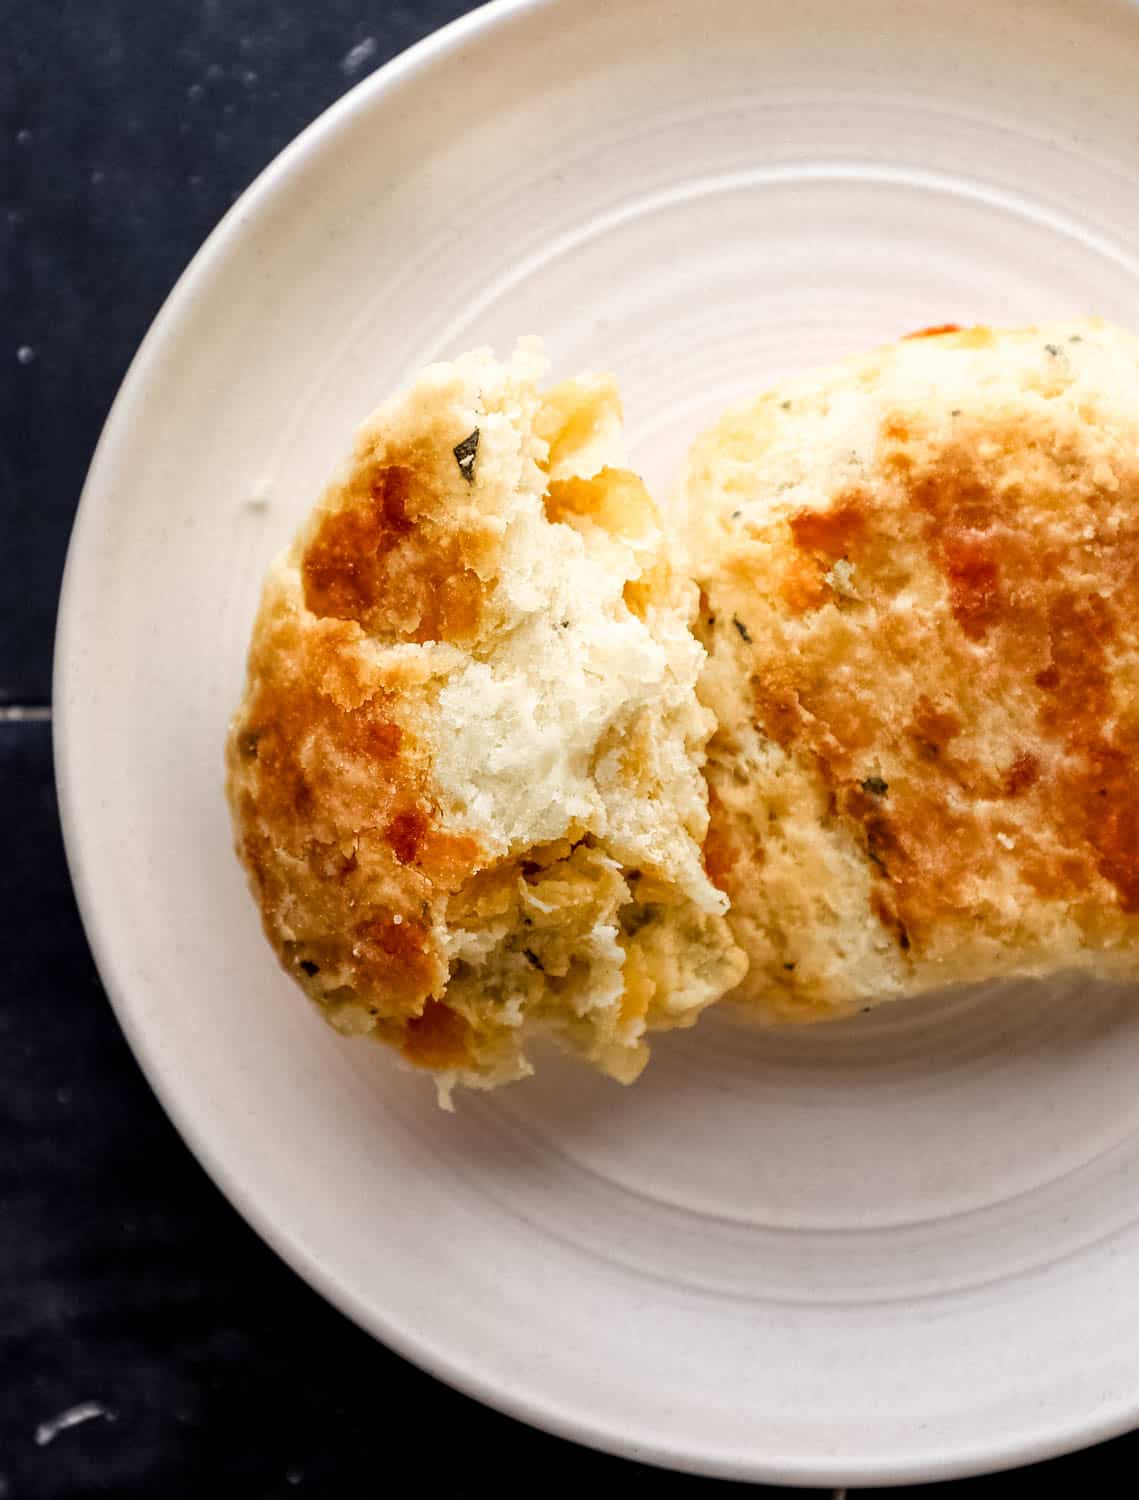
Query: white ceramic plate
point(899, 1249)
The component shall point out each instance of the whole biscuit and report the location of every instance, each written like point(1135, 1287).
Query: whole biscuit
point(920, 598)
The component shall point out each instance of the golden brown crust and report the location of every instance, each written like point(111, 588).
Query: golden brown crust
point(385, 558)
point(332, 796)
point(921, 572)
point(330, 768)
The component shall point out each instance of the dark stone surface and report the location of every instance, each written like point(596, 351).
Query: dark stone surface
point(127, 127)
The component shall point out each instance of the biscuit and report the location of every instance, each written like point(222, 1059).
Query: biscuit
point(920, 599)
point(466, 772)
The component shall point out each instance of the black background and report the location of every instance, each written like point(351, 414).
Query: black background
point(128, 127)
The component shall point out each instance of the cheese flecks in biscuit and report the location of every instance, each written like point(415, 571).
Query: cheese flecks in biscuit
point(466, 772)
point(920, 598)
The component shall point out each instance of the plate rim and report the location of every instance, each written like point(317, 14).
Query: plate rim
point(81, 853)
